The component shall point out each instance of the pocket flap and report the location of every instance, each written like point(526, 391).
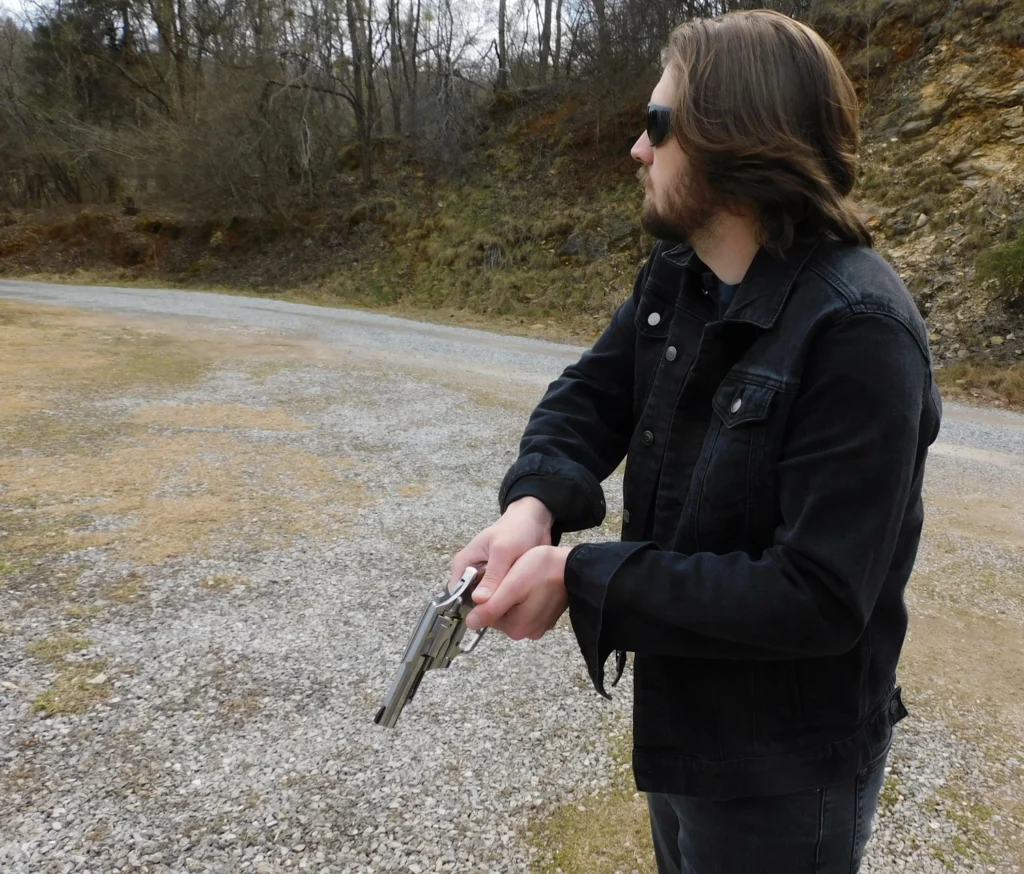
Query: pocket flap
point(738, 402)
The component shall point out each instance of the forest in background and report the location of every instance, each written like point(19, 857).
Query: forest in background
point(257, 105)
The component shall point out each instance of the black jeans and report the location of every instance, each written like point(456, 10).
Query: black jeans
point(816, 831)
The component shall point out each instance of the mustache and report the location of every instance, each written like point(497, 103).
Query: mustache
point(643, 175)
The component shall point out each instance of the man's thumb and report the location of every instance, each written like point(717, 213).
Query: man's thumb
point(492, 577)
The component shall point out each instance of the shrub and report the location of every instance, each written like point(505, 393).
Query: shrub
point(1004, 264)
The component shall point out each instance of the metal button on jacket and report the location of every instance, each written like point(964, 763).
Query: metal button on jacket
point(736, 404)
point(625, 516)
point(648, 438)
point(653, 319)
point(670, 353)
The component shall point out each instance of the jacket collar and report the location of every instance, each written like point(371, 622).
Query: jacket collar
point(763, 292)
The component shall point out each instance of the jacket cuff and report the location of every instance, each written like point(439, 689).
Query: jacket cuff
point(570, 491)
point(590, 571)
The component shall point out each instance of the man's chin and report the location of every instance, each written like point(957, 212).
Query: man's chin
point(661, 229)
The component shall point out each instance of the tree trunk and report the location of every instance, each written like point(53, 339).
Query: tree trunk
point(372, 102)
point(410, 65)
point(558, 42)
point(358, 101)
point(545, 42)
point(502, 83)
point(396, 58)
point(603, 37)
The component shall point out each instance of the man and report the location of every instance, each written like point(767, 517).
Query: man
point(769, 383)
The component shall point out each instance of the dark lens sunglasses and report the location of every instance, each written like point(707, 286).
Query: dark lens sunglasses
point(659, 123)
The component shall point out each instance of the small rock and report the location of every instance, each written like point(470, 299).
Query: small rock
point(996, 341)
point(914, 129)
point(573, 246)
point(922, 220)
point(97, 680)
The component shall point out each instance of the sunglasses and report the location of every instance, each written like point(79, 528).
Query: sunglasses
point(659, 123)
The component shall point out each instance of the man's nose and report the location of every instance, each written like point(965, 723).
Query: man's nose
point(642, 149)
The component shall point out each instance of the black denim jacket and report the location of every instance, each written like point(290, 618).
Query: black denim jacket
point(772, 511)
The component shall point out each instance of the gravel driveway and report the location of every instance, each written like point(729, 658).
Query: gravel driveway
point(238, 731)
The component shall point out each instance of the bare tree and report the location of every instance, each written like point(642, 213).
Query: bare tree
point(502, 83)
point(545, 43)
point(363, 122)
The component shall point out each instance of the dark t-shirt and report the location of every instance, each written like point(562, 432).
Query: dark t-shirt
point(725, 293)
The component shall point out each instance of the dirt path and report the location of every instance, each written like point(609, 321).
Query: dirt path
point(204, 500)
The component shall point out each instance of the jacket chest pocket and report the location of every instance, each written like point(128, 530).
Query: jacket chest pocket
point(737, 471)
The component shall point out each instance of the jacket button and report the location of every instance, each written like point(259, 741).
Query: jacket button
point(736, 404)
point(894, 706)
point(653, 319)
point(625, 516)
point(648, 438)
point(670, 353)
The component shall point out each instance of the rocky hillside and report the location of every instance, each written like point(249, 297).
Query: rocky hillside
point(943, 163)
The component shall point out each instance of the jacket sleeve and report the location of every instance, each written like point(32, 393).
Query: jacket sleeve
point(580, 430)
point(845, 480)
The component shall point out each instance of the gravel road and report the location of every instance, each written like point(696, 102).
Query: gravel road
point(239, 735)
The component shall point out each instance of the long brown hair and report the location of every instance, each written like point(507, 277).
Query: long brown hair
point(766, 114)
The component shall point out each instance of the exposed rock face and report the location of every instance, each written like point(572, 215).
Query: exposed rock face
point(942, 174)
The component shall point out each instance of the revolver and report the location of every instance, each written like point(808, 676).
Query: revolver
point(437, 639)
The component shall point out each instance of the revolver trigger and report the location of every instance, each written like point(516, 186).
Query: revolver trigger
point(474, 640)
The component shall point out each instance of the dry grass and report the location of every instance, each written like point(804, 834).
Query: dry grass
point(177, 480)
point(148, 480)
point(75, 689)
point(77, 684)
point(126, 591)
point(55, 649)
point(223, 582)
point(220, 417)
point(606, 834)
point(415, 490)
point(181, 494)
point(1002, 384)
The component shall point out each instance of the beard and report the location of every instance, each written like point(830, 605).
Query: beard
point(687, 210)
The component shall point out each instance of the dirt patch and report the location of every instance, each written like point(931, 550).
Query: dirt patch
point(178, 494)
point(997, 517)
point(972, 657)
point(155, 482)
point(220, 417)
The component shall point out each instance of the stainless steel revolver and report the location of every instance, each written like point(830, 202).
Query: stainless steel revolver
point(437, 640)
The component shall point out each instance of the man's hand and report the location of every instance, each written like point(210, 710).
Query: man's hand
point(526, 523)
point(529, 599)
